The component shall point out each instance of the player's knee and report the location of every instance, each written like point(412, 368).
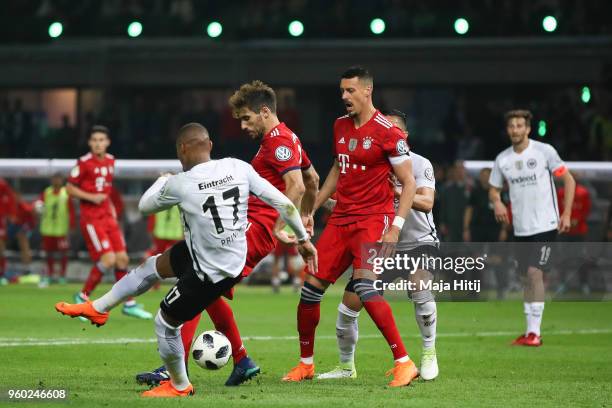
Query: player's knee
point(350, 298)
point(108, 260)
point(121, 260)
point(364, 288)
point(311, 294)
point(534, 274)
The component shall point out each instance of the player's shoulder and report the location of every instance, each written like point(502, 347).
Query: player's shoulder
point(382, 123)
point(109, 157)
point(344, 120)
point(542, 147)
point(420, 160)
point(85, 158)
point(504, 154)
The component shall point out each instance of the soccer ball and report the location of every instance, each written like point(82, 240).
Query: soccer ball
point(211, 350)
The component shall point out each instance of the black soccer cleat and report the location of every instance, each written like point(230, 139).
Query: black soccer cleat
point(154, 377)
point(245, 370)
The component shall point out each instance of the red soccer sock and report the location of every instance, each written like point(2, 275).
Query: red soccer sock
point(50, 262)
point(308, 315)
point(119, 273)
point(2, 265)
point(187, 332)
point(94, 278)
point(382, 315)
point(63, 264)
point(222, 317)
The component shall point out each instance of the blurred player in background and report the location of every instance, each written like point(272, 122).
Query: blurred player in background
point(7, 214)
point(25, 222)
point(529, 166)
point(418, 236)
point(165, 229)
point(282, 161)
point(57, 218)
point(367, 147)
point(90, 181)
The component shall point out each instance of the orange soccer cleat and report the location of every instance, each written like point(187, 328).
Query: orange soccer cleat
point(85, 310)
point(300, 372)
point(167, 390)
point(403, 373)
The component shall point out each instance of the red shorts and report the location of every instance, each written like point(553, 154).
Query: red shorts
point(102, 235)
point(160, 246)
point(260, 243)
point(284, 249)
point(342, 245)
point(53, 244)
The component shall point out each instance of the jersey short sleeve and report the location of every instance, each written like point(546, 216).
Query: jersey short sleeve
point(553, 161)
point(283, 155)
point(76, 174)
point(424, 174)
point(394, 145)
point(496, 179)
point(306, 163)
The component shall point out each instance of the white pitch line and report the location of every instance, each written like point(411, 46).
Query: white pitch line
point(37, 342)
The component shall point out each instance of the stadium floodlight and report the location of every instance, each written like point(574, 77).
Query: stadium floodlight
point(461, 26)
point(55, 29)
point(542, 128)
point(549, 23)
point(214, 29)
point(296, 28)
point(586, 94)
point(134, 29)
point(377, 26)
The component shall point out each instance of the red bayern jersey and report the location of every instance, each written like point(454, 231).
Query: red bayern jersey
point(364, 157)
point(94, 175)
point(580, 209)
point(280, 151)
point(7, 200)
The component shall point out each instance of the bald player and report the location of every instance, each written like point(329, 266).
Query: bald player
point(213, 197)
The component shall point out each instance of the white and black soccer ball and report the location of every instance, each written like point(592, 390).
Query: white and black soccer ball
point(211, 350)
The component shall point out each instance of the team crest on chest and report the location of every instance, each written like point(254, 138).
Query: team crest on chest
point(518, 165)
point(352, 145)
point(367, 142)
point(283, 153)
point(532, 163)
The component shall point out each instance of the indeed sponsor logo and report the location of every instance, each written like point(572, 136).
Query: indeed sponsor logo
point(524, 179)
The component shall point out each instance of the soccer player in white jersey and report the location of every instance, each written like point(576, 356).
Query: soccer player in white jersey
point(212, 196)
point(528, 166)
point(418, 236)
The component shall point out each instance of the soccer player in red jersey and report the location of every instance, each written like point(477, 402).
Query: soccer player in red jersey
point(91, 181)
point(283, 162)
point(7, 212)
point(366, 148)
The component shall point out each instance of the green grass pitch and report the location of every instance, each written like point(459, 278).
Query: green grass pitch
point(478, 367)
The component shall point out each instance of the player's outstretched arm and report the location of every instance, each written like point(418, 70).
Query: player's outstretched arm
point(163, 194)
point(329, 186)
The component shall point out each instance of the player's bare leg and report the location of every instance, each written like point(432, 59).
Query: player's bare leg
point(138, 281)
point(534, 293)
point(382, 315)
point(308, 315)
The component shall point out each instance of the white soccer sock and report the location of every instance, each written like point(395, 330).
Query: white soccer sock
point(535, 321)
point(347, 333)
point(138, 281)
point(527, 310)
point(170, 347)
point(426, 316)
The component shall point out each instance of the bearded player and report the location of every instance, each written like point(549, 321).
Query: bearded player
point(282, 161)
point(529, 166)
point(366, 148)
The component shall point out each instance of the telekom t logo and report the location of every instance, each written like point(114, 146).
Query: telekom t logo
point(344, 160)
